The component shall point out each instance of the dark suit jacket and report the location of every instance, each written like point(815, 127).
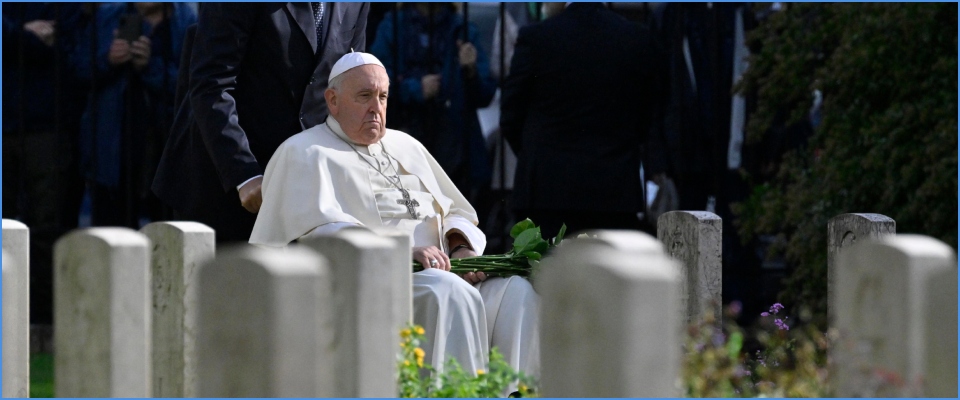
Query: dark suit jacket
point(257, 77)
point(693, 131)
point(576, 108)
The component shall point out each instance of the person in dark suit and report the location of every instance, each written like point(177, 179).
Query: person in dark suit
point(576, 108)
point(257, 77)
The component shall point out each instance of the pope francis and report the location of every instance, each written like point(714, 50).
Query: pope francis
point(353, 171)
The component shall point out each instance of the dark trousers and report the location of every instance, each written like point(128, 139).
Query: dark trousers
point(42, 188)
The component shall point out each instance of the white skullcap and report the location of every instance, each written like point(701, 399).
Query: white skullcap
point(351, 60)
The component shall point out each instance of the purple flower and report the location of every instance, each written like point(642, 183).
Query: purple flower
point(776, 307)
point(764, 314)
point(718, 339)
point(781, 324)
point(735, 307)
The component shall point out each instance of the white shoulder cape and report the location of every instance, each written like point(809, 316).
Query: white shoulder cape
point(314, 178)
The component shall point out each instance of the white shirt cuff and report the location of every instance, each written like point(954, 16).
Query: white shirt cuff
point(248, 180)
point(474, 236)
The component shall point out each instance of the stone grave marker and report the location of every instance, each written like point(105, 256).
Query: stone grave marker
point(367, 338)
point(844, 231)
point(881, 290)
point(695, 238)
point(940, 315)
point(102, 314)
point(16, 309)
point(261, 328)
point(610, 318)
point(179, 248)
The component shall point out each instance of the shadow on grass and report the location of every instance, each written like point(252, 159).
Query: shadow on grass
point(41, 375)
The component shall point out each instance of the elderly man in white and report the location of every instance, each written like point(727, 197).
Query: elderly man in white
point(353, 171)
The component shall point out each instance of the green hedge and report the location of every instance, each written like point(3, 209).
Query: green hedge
point(888, 139)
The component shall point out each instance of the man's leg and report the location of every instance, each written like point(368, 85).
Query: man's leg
point(42, 187)
point(513, 322)
point(451, 312)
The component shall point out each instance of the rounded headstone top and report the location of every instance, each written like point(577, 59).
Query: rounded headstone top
point(290, 260)
point(700, 215)
point(183, 226)
point(865, 216)
point(623, 240)
point(917, 246)
point(359, 238)
point(13, 224)
point(113, 236)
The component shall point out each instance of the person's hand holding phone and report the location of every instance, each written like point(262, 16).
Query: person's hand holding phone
point(140, 52)
point(119, 51)
point(43, 29)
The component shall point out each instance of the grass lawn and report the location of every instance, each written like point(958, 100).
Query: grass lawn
point(41, 375)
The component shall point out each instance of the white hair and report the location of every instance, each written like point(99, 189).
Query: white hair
point(335, 82)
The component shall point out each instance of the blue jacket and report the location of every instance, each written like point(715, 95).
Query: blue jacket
point(445, 122)
point(37, 77)
point(102, 124)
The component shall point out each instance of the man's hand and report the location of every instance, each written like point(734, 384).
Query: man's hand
point(119, 52)
point(431, 85)
point(42, 29)
point(455, 240)
point(468, 57)
point(250, 195)
point(427, 254)
point(473, 278)
point(140, 52)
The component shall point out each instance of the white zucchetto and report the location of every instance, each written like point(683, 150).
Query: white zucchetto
point(351, 60)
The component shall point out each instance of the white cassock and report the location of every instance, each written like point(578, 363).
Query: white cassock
point(317, 184)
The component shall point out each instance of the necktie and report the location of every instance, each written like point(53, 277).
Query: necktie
point(318, 19)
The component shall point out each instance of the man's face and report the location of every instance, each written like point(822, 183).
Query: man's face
point(360, 105)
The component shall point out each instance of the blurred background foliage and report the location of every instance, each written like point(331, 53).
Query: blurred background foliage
point(884, 140)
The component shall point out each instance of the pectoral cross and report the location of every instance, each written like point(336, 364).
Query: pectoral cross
point(409, 203)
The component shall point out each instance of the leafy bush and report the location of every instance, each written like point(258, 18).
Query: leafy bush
point(419, 379)
point(719, 362)
point(887, 141)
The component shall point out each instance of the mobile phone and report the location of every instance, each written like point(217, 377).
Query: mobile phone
point(129, 28)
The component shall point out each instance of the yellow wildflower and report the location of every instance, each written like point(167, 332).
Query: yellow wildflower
point(420, 362)
point(420, 330)
point(523, 388)
point(406, 363)
point(481, 372)
point(405, 333)
point(419, 352)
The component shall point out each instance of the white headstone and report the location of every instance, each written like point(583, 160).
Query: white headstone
point(844, 231)
point(881, 290)
point(364, 267)
point(940, 315)
point(694, 238)
point(179, 248)
point(403, 254)
point(611, 325)
point(16, 309)
point(102, 314)
point(263, 324)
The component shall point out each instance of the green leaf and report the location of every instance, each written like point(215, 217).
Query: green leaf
point(520, 227)
point(559, 238)
point(533, 255)
point(542, 246)
point(734, 344)
point(526, 240)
